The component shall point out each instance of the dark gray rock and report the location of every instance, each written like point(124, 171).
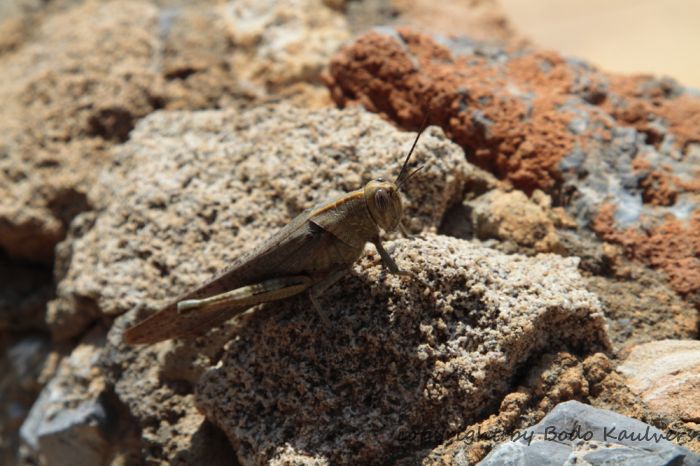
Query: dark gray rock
point(576, 433)
point(67, 423)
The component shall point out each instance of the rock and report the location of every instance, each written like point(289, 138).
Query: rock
point(63, 104)
point(281, 42)
point(154, 387)
point(22, 365)
point(666, 374)
point(575, 432)
point(232, 179)
point(188, 194)
point(640, 306)
point(400, 358)
point(619, 153)
point(550, 380)
point(68, 422)
point(513, 217)
point(482, 19)
point(77, 84)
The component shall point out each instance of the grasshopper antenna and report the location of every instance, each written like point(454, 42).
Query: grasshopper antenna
point(409, 176)
point(400, 179)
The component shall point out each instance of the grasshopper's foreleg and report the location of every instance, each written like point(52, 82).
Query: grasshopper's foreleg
point(389, 262)
point(393, 268)
point(319, 287)
point(265, 291)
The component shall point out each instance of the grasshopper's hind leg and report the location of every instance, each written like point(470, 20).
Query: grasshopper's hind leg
point(268, 290)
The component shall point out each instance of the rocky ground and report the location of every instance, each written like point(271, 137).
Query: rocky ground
point(144, 145)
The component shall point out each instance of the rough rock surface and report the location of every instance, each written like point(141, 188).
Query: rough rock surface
point(621, 153)
point(62, 105)
point(65, 104)
point(551, 379)
point(186, 196)
point(666, 374)
point(399, 358)
point(282, 42)
point(189, 193)
point(575, 433)
point(513, 217)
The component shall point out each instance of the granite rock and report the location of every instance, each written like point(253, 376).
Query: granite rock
point(400, 357)
point(666, 374)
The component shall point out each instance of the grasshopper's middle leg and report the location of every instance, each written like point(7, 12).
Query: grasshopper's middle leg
point(319, 287)
point(250, 295)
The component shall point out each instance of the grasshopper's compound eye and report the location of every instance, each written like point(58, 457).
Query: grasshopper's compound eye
point(384, 204)
point(382, 198)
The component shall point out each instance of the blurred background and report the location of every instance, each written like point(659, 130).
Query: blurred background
point(624, 36)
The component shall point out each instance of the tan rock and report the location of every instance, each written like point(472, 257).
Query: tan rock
point(666, 374)
point(78, 83)
point(64, 103)
point(512, 216)
point(281, 42)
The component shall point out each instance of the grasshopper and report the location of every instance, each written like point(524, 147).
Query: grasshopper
point(311, 253)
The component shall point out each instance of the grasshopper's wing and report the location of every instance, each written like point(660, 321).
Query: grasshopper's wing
point(268, 260)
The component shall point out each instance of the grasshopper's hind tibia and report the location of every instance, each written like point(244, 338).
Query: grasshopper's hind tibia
point(268, 290)
point(192, 317)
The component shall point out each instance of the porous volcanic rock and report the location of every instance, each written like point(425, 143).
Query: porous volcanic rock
point(400, 358)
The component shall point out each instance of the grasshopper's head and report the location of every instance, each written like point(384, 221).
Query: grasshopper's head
point(384, 203)
point(382, 197)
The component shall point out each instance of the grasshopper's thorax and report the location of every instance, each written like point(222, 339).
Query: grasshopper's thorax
point(384, 203)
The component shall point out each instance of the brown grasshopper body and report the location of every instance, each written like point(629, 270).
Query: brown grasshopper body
point(309, 254)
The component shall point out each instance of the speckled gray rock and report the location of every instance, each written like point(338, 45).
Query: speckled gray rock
point(576, 433)
point(400, 357)
point(191, 192)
